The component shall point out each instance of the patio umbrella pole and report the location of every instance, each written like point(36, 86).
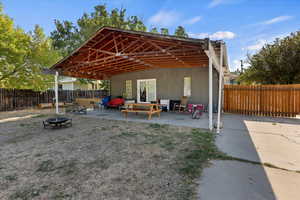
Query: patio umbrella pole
point(220, 89)
point(56, 92)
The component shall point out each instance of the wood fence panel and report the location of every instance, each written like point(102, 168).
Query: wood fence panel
point(14, 99)
point(263, 100)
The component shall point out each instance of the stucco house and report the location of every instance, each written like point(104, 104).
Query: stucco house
point(148, 66)
point(230, 78)
point(71, 83)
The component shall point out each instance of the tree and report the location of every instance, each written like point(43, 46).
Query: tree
point(23, 56)
point(153, 30)
point(276, 63)
point(66, 37)
point(69, 36)
point(180, 31)
point(164, 31)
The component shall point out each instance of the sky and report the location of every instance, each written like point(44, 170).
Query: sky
point(245, 25)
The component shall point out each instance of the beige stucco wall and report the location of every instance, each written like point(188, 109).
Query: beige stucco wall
point(169, 83)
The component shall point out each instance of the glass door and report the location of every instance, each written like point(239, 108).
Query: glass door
point(146, 90)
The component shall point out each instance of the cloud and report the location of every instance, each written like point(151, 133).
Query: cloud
point(236, 64)
point(215, 3)
point(199, 35)
point(164, 18)
point(216, 36)
point(259, 42)
point(223, 35)
point(193, 20)
point(277, 20)
point(258, 45)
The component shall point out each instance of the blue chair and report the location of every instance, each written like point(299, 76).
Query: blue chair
point(104, 102)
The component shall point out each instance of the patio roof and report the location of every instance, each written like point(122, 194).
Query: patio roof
point(112, 51)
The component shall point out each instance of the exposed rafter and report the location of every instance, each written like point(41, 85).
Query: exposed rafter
point(166, 51)
point(111, 51)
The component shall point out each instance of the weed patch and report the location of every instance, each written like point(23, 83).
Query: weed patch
point(39, 116)
point(61, 196)
point(158, 126)
point(194, 158)
point(98, 163)
point(11, 177)
point(27, 193)
point(46, 166)
point(128, 134)
point(203, 148)
point(68, 167)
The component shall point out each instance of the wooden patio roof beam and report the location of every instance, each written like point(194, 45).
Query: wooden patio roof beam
point(166, 51)
point(126, 57)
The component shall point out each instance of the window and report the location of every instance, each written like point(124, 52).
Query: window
point(187, 88)
point(146, 90)
point(128, 89)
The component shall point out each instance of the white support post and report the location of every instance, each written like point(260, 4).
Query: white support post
point(56, 92)
point(220, 89)
point(210, 89)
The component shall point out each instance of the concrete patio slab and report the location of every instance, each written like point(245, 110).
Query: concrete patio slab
point(266, 140)
point(171, 118)
point(232, 180)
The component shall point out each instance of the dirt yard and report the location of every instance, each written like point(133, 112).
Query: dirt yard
point(99, 159)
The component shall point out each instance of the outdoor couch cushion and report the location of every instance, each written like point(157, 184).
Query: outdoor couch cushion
point(116, 102)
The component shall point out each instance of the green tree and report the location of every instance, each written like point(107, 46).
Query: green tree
point(66, 37)
point(23, 56)
point(276, 63)
point(164, 31)
point(153, 30)
point(69, 36)
point(180, 31)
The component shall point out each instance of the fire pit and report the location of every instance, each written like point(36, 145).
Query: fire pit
point(57, 122)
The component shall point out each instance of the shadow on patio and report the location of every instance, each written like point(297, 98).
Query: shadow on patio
point(265, 144)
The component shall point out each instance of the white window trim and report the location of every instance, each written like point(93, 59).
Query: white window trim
point(138, 89)
point(130, 91)
point(184, 86)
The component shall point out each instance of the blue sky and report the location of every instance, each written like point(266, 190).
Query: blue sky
point(245, 25)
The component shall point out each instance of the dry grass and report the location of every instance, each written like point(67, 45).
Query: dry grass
point(101, 159)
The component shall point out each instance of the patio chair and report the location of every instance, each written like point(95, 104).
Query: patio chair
point(182, 106)
point(165, 104)
point(196, 110)
point(104, 102)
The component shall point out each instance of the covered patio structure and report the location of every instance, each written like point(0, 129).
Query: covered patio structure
point(114, 54)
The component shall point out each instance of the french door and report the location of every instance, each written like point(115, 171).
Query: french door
point(146, 90)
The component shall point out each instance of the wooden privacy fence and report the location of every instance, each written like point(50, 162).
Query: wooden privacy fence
point(14, 99)
point(264, 100)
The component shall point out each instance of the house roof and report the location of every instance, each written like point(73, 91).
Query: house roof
point(111, 51)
